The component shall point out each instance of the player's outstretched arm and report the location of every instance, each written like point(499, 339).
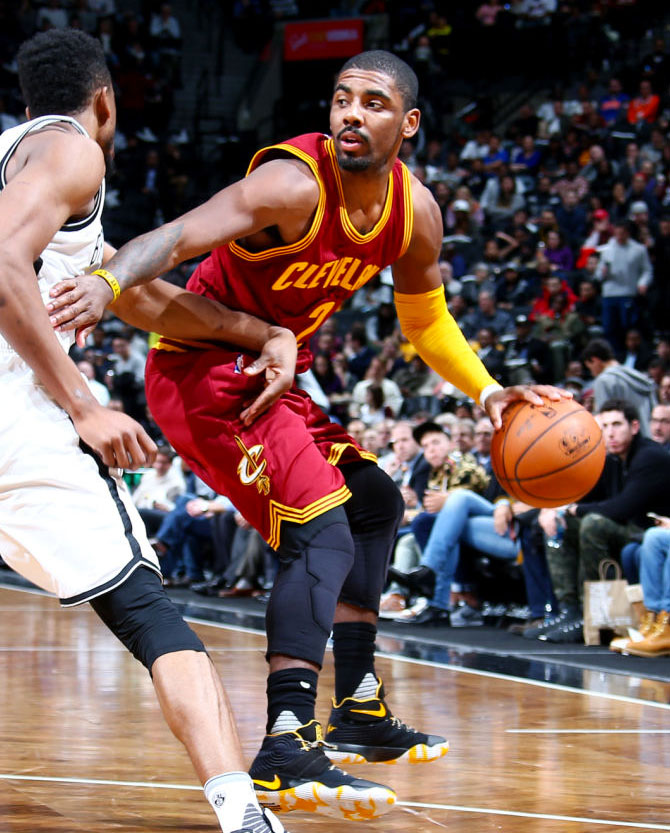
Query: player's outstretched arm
point(55, 176)
point(427, 323)
point(281, 193)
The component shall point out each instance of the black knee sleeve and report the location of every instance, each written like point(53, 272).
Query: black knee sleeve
point(374, 512)
point(314, 560)
point(139, 613)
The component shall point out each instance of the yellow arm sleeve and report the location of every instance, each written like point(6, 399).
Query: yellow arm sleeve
point(428, 324)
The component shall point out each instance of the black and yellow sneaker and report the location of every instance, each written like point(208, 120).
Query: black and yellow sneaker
point(292, 772)
point(365, 731)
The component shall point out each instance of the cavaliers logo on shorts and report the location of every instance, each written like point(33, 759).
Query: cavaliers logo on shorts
point(251, 467)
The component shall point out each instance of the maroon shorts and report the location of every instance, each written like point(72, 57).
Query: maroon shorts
point(282, 467)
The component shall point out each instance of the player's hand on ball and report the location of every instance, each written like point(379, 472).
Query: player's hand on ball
point(497, 401)
point(115, 437)
point(78, 304)
point(277, 360)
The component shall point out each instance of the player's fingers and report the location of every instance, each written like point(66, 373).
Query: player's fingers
point(62, 286)
point(257, 366)
point(148, 446)
point(495, 415)
point(83, 334)
point(552, 392)
point(263, 401)
point(121, 457)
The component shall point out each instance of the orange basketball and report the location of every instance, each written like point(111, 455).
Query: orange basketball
point(547, 455)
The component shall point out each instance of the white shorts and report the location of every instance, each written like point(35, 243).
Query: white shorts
point(66, 523)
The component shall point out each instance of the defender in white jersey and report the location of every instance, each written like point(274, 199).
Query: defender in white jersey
point(66, 520)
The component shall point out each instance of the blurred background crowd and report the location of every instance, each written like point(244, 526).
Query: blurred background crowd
point(545, 141)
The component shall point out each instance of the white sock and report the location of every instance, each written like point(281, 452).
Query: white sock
point(367, 688)
point(234, 801)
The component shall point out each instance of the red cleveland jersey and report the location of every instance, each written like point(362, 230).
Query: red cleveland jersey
point(299, 285)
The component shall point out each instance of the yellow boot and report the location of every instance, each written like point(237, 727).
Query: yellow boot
point(657, 644)
point(647, 621)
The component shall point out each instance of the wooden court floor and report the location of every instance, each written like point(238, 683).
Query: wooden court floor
point(83, 746)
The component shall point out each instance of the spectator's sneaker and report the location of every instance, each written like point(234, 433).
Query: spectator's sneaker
point(551, 623)
point(365, 731)
point(569, 631)
point(292, 772)
point(466, 617)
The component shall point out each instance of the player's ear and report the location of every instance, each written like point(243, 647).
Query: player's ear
point(411, 123)
point(102, 105)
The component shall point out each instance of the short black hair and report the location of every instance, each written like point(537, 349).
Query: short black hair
point(378, 60)
point(59, 70)
point(429, 427)
point(598, 348)
point(627, 408)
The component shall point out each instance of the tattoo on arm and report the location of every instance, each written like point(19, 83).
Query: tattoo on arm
point(147, 256)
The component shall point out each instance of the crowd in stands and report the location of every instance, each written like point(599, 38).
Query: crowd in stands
point(555, 264)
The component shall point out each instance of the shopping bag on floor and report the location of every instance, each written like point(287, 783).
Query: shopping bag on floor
point(606, 604)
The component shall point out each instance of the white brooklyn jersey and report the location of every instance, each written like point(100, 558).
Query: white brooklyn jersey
point(77, 247)
point(66, 522)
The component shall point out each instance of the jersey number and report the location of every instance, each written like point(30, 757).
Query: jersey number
point(319, 314)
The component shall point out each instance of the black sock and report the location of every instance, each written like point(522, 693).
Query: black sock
point(354, 653)
point(291, 691)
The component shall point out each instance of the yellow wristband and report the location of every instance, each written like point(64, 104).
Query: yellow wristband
point(110, 280)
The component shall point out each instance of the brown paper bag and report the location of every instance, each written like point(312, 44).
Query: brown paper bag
point(606, 604)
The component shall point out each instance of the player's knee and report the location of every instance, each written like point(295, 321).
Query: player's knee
point(327, 532)
point(315, 559)
point(143, 618)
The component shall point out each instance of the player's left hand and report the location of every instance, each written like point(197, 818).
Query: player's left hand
point(78, 304)
point(277, 360)
point(497, 401)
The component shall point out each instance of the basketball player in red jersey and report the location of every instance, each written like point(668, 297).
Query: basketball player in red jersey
point(315, 218)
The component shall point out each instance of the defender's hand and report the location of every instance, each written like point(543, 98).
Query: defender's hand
point(497, 401)
point(116, 438)
point(277, 360)
point(78, 304)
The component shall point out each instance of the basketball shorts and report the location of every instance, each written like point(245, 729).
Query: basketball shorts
point(281, 468)
point(66, 523)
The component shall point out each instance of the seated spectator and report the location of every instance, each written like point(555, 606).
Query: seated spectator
point(497, 156)
point(98, 390)
point(600, 234)
point(664, 390)
point(588, 305)
point(660, 425)
point(553, 287)
point(614, 105)
point(487, 315)
point(127, 376)
point(501, 201)
point(357, 350)
point(571, 218)
point(527, 360)
point(654, 566)
point(644, 107)
point(158, 489)
point(407, 466)
point(558, 253)
point(636, 353)
point(181, 535)
point(480, 280)
point(513, 293)
point(490, 353)
point(526, 159)
point(614, 381)
point(635, 480)
point(376, 376)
